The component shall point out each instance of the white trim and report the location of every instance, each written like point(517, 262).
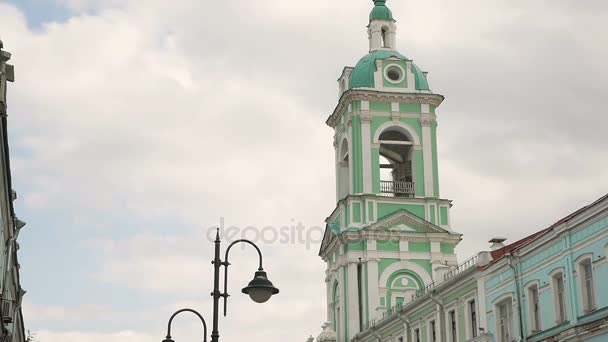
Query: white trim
point(448, 330)
point(366, 153)
point(405, 265)
point(495, 303)
point(402, 75)
point(552, 275)
point(427, 161)
point(528, 291)
point(410, 131)
point(395, 107)
point(578, 264)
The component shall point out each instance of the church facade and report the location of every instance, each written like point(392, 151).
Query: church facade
point(392, 272)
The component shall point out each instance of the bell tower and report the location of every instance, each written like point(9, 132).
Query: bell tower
point(389, 235)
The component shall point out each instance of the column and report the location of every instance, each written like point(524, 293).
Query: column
point(427, 156)
point(366, 150)
point(353, 300)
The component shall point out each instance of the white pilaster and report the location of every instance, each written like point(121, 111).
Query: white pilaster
point(342, 331)
point(481, 304)
point(372, 280)
point(353, 301)
point(329, 296)
point(427, 156)
point(366, 152)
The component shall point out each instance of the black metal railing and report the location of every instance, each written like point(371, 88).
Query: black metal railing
point(451, 273)
point(397, 188)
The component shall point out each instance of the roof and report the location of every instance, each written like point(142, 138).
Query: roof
point(500, 253)
point(380, 11)
point(362, 75)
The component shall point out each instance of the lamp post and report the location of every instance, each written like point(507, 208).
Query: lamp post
point(260, 289)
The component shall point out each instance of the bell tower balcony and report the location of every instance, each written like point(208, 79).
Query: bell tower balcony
point(396, 189)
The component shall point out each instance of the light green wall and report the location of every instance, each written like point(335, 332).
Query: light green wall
point(419, 165)
point(443, 215)
point(380, 106)
point(357, 156)
point(356, 212)
point(435, 159)
point(375, 170)
point(389, 246)
point(432, 213)
point(384, 263)
point(356, 246)
point(410, 107)
point(419, 246)
point(447, 248)
point(426, 264)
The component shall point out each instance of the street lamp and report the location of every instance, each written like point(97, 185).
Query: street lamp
point(169, 339)
point(259, 289)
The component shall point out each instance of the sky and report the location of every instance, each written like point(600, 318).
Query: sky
point(137, 126)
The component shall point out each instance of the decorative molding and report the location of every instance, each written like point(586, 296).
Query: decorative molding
point(426, 122)
point(374, 95)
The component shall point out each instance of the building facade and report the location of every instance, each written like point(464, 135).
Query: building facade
point(11, 293)
point(392, 273)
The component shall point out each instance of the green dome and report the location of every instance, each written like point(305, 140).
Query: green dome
point(380, 11)
point(362, 75)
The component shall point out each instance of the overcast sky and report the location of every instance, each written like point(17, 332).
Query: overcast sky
point(136, 125)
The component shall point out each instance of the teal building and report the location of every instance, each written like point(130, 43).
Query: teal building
point(391, 270)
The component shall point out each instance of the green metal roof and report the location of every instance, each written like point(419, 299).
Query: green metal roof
point(362, 75)
point(380, 11)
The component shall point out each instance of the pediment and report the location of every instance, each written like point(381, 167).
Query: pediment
point(405, 221)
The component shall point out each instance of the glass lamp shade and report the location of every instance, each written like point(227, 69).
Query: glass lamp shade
point(260, 289)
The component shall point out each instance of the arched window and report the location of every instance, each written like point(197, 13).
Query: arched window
point(396, 163)
point(585, 272)
point(401, 288)
point(559, 297)
point(343, 170)
point(384, 34)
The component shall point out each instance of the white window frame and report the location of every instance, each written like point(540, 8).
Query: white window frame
point(554, 275)
point(534, 328)
point(581, 274)
point(415, 328)
point(430, 330)
point(467, 320)
point(448, 323)
point(497, 304)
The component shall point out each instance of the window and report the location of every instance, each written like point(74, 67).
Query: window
point(559, 297)
point(473, 313)
point(396, 163)
point(452, 322)
point(384, 38)
point(433, 331)
point(534, 308)
point(394, 74)
point(416, 335)
point(588, 291)
point(505, 320)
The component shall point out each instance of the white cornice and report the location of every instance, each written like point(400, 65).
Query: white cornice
point(374, 95)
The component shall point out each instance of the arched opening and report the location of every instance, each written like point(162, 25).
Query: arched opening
point(343, 170)
point(396, 163)
point(384, 36)
point(402, 287)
